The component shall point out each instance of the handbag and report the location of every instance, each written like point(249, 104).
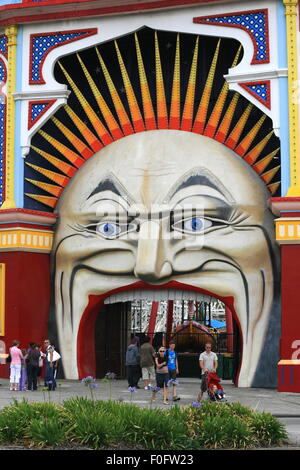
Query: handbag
point(55, 356)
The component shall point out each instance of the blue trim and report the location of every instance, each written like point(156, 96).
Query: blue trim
point(282, 375)
point(284, 99)
point(24, 222)
point(291, 375)
point(9, 2)
point(19, 161)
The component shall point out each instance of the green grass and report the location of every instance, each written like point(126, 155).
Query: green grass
point(99, 424)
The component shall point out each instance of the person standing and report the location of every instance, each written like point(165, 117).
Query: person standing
point(23, 378)
point(147, 355)
point(173, 369)
point(49, 366)
point(208, 362)
point(15, 365)
point(133, 363)
point(41, 363)
point(162, 374)
point(33, 366)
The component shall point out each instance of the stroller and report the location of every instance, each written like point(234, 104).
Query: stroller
point(214, 388)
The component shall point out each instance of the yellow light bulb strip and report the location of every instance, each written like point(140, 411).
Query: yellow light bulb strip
point(86, 133)
point(136, 116)
point(215, 116)
point(107, 114)
point(188, 110)
point(77, 143)
point(292, 19)
point(73, 157)
point(174, 122)
point(92, 116)
point(149, 115)
point(119, 107)
point(201, 115)
point(11, 32)
point(162, 112)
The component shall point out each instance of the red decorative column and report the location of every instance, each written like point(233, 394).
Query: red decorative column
point(152, 321)
point(25, 246)
point(288, 237)
point(229, 329)
point(169, 321)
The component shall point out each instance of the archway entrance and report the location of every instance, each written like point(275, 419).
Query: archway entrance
point(190, 320)
point(111, 339)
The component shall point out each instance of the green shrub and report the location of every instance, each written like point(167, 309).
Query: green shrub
point(46, 432)
point(96, 429)
point(10, 431)
point(101, 423)
point(267, 429)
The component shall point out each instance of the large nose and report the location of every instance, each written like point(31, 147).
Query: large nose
point(152, 263)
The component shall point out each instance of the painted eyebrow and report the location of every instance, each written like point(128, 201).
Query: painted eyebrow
point(105, 185)
point(199, 180)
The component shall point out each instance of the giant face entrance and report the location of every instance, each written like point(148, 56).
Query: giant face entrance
point(189, 319)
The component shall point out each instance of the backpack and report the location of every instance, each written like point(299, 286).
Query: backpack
point(131, 356)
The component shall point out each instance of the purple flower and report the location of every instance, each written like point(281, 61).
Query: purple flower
point(132, 389)
point(88, 380)
point(196, 404)
point(93, 385)
point(110, 375)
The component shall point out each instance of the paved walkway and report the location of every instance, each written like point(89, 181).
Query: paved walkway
point(285, 406)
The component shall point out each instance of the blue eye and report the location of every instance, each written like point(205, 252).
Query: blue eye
point(108, 229)
point(196, 224)
point(193, 225)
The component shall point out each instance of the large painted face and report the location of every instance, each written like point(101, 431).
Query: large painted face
point(209, 230)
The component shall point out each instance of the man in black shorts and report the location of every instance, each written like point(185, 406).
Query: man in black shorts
point(208, 362)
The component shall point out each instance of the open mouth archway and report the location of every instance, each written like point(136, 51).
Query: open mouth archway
point(105, 332)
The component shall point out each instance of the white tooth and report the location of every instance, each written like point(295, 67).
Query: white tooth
point(157, 295)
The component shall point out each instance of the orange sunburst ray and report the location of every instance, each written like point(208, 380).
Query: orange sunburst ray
point(174, 120)
point(112, 124)
point(162, 112)
point(136, 116)
point(201, 115)
point(51, 175)
point(119, 107)
point(47, 200)
point(244, 145)
point(73, 157)
point(223, 129)
point(64, 167)
point(273, 187)
point(235, 134)
point(260, 166)
point(149, 115)
point(215, 116)
point(253, 155)
point(77, 143)
point(269, 175)
point(102, 132)
point(86, 133)
point(49, 188)
point(188, 109)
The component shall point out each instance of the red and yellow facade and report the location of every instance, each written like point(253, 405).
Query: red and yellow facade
point(32, 97)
